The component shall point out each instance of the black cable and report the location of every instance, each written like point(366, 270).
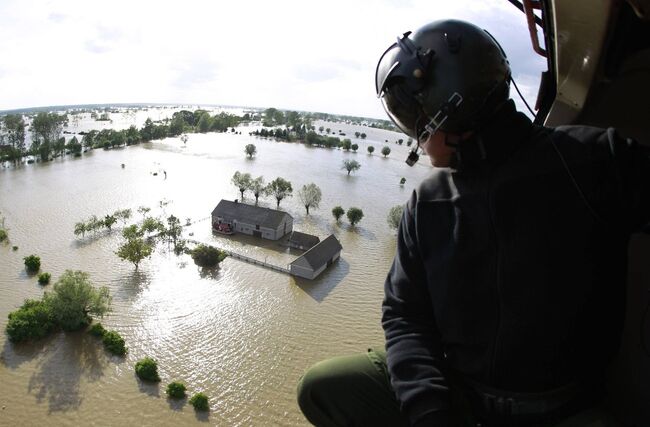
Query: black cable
point(512, 79)
point(642, 329)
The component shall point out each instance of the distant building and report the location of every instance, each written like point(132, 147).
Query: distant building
point(252, 220)
point(302, 241)
point(317, 259)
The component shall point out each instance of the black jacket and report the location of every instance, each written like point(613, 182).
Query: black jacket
point(512, 267)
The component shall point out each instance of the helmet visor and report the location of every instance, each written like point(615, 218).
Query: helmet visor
point(402, 109)
point(396, 86)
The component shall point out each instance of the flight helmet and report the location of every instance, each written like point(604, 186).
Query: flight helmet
point(449, 75)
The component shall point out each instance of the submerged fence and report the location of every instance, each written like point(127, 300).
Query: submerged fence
point(249, 259)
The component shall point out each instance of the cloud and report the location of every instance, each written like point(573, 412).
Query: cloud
point(322, 71)
point(106, 39)
point(194, 72)
point(57, 18)
point(316, 73)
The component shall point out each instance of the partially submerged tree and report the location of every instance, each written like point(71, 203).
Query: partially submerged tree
point(242, 181)
point(250, 150)
point(257, 187)
point(32, 263)
point(207, 256)
point(385, 151)
point(122, 214)
point(33, 320)
point(279, 188)
point(351, 165)
point(135, 250)
point(74, 300)
point(147, 369)
point(310, 196)
point(174, 229)
point(13, 128)
point(46, 131)
point(200, 402)
point(370, 149)
point(338, 212)
point(354, 215)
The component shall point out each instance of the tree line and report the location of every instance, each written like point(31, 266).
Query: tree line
point(48, 140)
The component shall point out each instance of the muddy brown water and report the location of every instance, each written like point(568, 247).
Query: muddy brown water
point(241, 334)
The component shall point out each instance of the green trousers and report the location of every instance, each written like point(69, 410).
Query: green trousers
point(355, 391)
point(350, 391)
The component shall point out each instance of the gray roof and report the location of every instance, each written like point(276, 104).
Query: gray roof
point(249, 214)
point(303, 239)
point(320, 254)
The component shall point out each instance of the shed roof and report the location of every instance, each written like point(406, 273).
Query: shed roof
point(250, 214)
point(320, 254)
point(303, 239)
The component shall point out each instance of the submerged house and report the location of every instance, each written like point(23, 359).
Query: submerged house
point(302, 241)
point(252, 220)
point(317, 259)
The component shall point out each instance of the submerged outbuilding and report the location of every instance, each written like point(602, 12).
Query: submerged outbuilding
point(313, 262)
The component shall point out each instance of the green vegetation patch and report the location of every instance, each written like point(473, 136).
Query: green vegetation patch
point(354, 215)
point(3, 235)
point(97, 330)
point(33, 320)
point(207, 256)
point(147, 369)
point(114, 343)
point(176, 390)
point(200, 402)
point(338, 212)
point(32, 263)
point(44, 278)
point(69, 306)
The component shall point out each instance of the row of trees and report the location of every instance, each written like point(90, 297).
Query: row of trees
point(354, 214)
point(140, 239)
point(310, 194)
point(48, 140)
point(95, 224)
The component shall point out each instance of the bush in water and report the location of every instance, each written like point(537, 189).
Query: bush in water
point(147, 369)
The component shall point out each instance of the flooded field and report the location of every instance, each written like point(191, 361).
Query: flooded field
point(241, 334)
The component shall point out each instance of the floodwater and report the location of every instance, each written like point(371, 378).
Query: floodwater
point(241, 334)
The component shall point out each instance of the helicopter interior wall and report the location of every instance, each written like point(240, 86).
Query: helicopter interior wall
point(619, 97)
point(620, 93)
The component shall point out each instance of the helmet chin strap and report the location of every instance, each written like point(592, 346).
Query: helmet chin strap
point(434, 125)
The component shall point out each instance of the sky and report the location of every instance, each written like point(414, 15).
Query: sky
point(292, 55)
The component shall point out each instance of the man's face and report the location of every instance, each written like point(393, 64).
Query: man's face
point(439, 153)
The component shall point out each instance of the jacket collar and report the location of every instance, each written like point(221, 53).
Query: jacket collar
point(494, 142)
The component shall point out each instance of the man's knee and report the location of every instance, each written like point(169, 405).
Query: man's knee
point(318, 386)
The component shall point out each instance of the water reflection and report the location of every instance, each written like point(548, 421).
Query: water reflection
point(321, 287)
point(69, 358)
point(212, 273)
point(148, 387)
point(15, 354)
point(131, 284)
point(177, 404)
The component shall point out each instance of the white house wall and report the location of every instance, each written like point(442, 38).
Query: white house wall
point(249, 229)
point(303, 272)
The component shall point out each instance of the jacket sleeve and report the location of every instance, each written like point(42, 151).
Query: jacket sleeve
point(413, 343)
point(632, 163)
